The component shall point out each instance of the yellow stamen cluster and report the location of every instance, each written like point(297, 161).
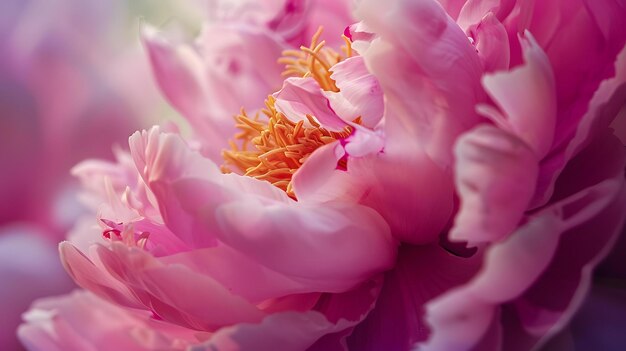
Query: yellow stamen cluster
point(315, 61)
point(273, 150)
point(279, 147)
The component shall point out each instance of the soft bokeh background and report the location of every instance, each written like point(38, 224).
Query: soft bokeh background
point(74, 84)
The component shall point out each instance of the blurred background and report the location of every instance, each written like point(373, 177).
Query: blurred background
point(74, 84)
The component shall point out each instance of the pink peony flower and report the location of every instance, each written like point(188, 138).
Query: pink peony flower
point(428, 187)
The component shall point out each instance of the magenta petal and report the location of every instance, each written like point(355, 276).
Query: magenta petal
point(495, 177)
point(475, 11)
point(600, 112)
point(492, 43)
point(421, 274)
point(300, 97)
point(554, 277)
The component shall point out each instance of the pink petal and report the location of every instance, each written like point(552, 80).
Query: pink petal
point(421, 274)
point(295, 331)
point(179, 72)
point(527, 97)
point(303, 96)
point(162, 159)
point(241, 275)
point(319, 180)
point(475, 11)
point(360, 94)
point(232, 67)
point(428, 70)
point(548, 247)
point(492, 43)
point(92, 277)
point(452, 7)
point(600, 112)
point(425, 207)
point(336, 245)
point(175, 293)
point(495, 177)
point(82, 322)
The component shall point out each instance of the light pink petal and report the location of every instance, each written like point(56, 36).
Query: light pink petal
point(295, 331)
point(492, 43)
point(336, 245)
point(175, 293)
point(495, 178)
point(364, 141)
point(527, 97)
point(319, 180)
point(189, 187)
point(91, 276)
point(557, 255)
point(179, 71)
point(360, 94)
point(230, 67)
point(162, 158)
point(83, 322)
point(240, 69)
point(241, 275)
point(300, 97)
point(428, 70)
point(425, 204)
point(421, 274)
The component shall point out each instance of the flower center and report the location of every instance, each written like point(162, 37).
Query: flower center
point(279, 146)
point(274, 149)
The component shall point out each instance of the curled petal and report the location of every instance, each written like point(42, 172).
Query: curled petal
point(319, 180)
point(359, 93)
point(527, 96)
point(161, 159)
point(173, 292)
point(601, 110)
point(428, 70)
point(495, 177)
point(492, 43)
point(300, 97)
point(460, 318)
